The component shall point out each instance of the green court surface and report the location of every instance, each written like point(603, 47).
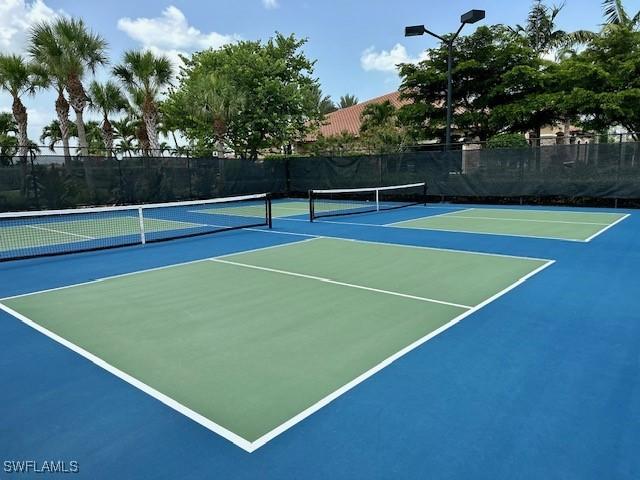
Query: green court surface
point(249, 344)
point(52, 233)
point(561, 225)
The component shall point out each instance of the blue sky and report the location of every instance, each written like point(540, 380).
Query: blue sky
point(355, 42)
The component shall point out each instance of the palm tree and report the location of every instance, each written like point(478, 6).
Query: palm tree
point(52, 134)
point(107, 98)
point(45, 51)
point(540, 30)
point(125, 130)
point(145, 76)
point(377, 115)
point(67, 49)
point(8, 140)
point(324, 102)
point(615, 14)
point(18, 77)
point(348, 101)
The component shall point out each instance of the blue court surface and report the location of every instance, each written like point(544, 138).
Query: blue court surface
point(541, 380)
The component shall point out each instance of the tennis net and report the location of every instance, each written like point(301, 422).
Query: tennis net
point(349, 201)
point(55, 232)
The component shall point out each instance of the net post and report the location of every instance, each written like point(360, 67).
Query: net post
point(377, 200)
point(311, 212)
point(143, 239)
point(269, 211)
point(424, 193)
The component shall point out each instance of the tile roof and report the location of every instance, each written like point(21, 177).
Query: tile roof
point(349, 119)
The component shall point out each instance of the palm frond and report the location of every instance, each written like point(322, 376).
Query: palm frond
point(614, 13)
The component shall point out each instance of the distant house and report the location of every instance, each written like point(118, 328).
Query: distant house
point(349, 120)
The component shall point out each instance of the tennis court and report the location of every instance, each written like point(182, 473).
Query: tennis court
point(347, 342)
point(137, 327)
point(561, 225)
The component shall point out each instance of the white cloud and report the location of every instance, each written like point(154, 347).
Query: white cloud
point(16, 18)
point(387, 60)
point(270, 4)
point(171, 34)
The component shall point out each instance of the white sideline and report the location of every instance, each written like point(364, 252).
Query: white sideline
point(372, 371)
point(389, 244)
point(163, 267)
point(170, 402)
point(60, 231)
point(607, 227)
point(501, 218)
point(335, 282)
point(396, 225)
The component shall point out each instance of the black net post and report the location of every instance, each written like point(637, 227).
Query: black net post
point(311, 213)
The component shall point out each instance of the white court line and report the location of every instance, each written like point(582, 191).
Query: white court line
point(335, 282)
point(372, 371)
point(454, 215)
point(223, 432)
point(392, 225)
point(388, 244)
point(163, 267)
point(61, 231)
point(170, 402)
point(607, 227)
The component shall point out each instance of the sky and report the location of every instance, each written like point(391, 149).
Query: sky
point(356, 43)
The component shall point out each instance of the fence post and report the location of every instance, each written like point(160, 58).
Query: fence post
point(34, 180)
point(189, 174)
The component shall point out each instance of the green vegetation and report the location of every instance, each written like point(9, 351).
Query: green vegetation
point(255, 98)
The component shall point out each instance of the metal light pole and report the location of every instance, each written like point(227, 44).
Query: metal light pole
point(472, 16)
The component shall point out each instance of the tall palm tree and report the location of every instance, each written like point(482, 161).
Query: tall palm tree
point(68, 49)
point(107, 98)
point(348, 101)
point(540, 31)
point(18, 77)
point(45, 50)
point(145, 76)
point(615, 14)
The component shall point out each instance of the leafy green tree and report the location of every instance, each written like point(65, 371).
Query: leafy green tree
point(507, 140)
point(264, 90)
point(145, 76)
point(18, 77)
point(602, 83)
point(336, 145)
point(67, 49)
point(481, 61)
point(347, 101)
point(108, 99)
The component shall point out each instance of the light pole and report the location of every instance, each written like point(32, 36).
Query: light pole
point(472, 16)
